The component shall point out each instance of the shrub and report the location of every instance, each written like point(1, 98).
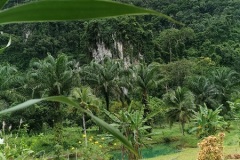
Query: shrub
point(211, 148)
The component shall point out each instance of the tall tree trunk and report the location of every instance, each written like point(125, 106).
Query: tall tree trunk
point(58, 130)
point(182, 128)
point(123, 152)
point(84, 129)
point(144, 98)
point(107, 100)
point(146, 110)
point(170, 54)
point(58, 127)
point(122, 97)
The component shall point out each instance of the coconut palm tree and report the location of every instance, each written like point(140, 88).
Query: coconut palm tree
point(53, 77)
point(145, 78)
point(103, 76)
point(181, 106)
point(226, 82)
point(204, 90)
point(125, 84)
point(10, 84)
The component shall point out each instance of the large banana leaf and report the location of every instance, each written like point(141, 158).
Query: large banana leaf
point(71, 102)
point(62, 10)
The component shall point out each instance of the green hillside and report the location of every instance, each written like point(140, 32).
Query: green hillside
point(139, 73)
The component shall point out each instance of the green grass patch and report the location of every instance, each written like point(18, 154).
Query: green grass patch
point(173, 137)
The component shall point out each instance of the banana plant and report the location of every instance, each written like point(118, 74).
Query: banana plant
point(132, 125)
point(207, 121)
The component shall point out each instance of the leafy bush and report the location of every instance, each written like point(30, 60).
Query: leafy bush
point(211, 148)
point(208, 122)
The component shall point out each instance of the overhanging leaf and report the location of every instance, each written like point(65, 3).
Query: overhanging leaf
point(63, 99)
point(28, 103)
point(21, 106)
point(62, 10)
point(114, 132)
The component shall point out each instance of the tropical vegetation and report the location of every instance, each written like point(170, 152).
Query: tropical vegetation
point(77, 85)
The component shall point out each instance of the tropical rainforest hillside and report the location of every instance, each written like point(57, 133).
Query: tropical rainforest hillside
point(211, 30)
point(145, 71)
point(204, 51)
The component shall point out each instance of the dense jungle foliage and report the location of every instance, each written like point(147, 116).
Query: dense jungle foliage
point(211, 30)
point(138, 70)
